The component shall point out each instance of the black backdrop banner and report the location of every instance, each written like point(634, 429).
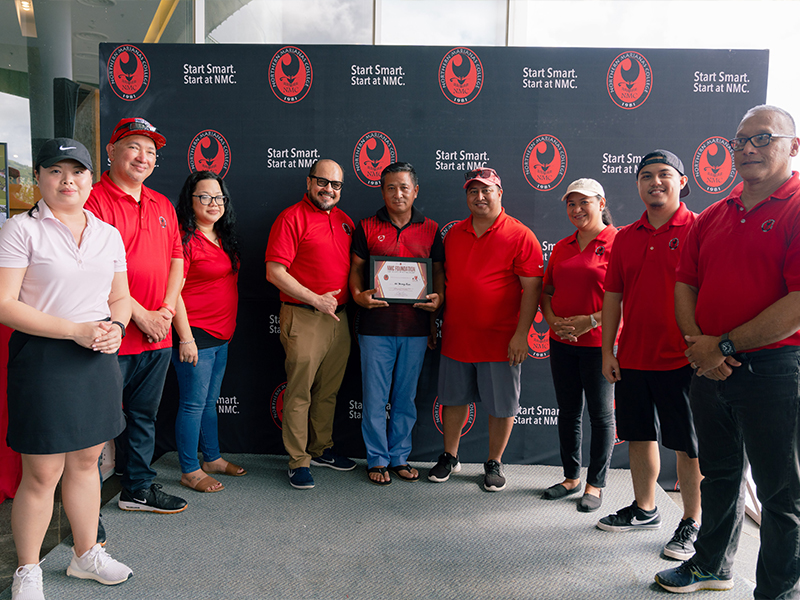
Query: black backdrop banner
point(542, 117)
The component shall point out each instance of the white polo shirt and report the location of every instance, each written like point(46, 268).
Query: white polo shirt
point(62, 279)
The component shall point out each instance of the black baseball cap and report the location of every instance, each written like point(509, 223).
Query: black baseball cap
point(59, 149)
point(668, 158)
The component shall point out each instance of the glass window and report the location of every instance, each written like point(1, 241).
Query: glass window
point(291, 22)
point(443, 22)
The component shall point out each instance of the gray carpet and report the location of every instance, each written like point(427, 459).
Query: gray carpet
point(349, 539)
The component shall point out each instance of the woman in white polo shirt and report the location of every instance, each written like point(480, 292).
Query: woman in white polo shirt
point(64, 290)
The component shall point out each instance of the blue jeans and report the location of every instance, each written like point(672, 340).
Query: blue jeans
point(577, 373)
point(196, 421)
point(752, 415)
point(143, 378)
point(389, 364)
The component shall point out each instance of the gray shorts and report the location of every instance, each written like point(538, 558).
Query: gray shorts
point(495, 384)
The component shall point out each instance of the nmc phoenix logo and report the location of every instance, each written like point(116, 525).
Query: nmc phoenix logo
point(210, 151)
point(629, 80)
point(128, 72)
point(290, 74)
point(374, 152)
point(712, 166)
point(461, 76)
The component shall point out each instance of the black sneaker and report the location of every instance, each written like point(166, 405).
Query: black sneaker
point(446, 464)
point(690, 578)
point(151, 499)
point(333, 461)
point(101, 531)
point(493, 480)
point(681, 546)
point(631, 517)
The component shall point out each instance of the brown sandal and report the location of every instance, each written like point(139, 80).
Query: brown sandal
point(203, 485)
point(230, 469)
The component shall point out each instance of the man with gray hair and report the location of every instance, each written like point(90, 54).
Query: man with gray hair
point(737, 301)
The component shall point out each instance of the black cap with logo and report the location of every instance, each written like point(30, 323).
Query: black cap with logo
point(59, 149)
point(664, 157)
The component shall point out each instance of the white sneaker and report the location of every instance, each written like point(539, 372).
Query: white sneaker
point(27, 583)
point(98, 565)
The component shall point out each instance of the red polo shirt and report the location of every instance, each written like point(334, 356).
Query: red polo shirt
point(378, 236)
point(210, 293)
point(577, 278)
point(744, 261)
point(483, 290)
point(149, 230)
point(314, 246)
point(642, 269)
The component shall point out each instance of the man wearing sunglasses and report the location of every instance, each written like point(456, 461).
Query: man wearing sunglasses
point(308, 260)
point(493, 277)
point(149, 228)
point(737, 301)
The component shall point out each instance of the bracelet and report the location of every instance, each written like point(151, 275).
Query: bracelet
point(191, 341)
point(121, 326)
point(169, 308)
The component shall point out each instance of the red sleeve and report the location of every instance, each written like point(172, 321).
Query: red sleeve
point(551, 264)
point(791, 264)
point(613, 282)
point(529, 262)
point(283, 242)
point(690, 254)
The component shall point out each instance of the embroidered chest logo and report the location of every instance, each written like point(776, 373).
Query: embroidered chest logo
point(767, 225)
point(347, 229)
point(163, 222)
point(381, 237)
point(600, 250)
point(673, 243)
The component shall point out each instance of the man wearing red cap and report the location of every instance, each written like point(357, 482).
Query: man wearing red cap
point(493, 278)
point(149, 228)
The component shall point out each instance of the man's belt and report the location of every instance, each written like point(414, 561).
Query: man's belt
point(339, 308)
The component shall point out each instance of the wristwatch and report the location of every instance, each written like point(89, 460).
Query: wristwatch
point(593, 321)
point(726, 346)
point(121, 326)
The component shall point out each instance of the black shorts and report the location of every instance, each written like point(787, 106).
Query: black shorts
point(647, 401)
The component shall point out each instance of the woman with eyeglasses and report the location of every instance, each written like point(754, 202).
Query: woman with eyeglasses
point(204, 323)
point(572, 302)
point(64, 290)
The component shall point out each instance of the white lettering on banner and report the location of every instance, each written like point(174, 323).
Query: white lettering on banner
point(460, 160)
point(376, 75)
point(721, 83)
point(291, 158)
point(620, 163)
point(228, 405)
point(209, 74)
point(550, 78)
point(536, 415)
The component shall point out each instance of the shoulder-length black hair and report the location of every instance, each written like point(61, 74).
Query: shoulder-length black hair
point(225, 227)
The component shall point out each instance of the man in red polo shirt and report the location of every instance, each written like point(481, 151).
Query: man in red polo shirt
point(650, 371)
point(493, 278)
point(308, 260)
point(149, 228)
point(738, 302)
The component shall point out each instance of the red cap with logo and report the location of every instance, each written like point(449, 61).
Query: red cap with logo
point(487, 176)
point(137, 126)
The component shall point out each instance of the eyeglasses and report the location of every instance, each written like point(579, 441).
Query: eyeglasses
point(759, 141)
point(481, 174)
point(205, 199)
point(322, 182)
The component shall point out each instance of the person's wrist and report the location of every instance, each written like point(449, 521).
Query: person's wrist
point(191, 341)
point(169, 309)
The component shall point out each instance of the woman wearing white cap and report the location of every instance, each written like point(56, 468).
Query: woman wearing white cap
point(571, 303)
point(63, 289)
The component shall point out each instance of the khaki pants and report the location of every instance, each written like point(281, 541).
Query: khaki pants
point(317, 348)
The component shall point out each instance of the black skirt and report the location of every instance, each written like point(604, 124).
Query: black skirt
point(61, 396)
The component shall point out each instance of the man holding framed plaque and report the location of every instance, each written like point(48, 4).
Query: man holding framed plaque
point(493, 276)
point(398, 255)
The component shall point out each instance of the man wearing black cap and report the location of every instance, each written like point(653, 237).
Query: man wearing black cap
point(149, 228)
point(738, 302)
point(650, 371)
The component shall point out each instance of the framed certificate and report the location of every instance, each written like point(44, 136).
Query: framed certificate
point(400, 280)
